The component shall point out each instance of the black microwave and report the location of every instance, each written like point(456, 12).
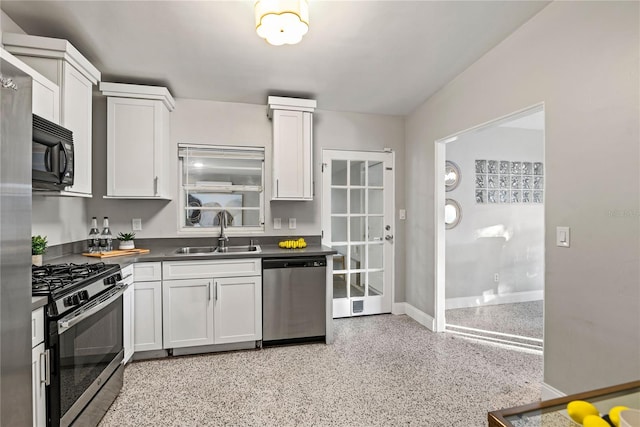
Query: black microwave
point(52, 155)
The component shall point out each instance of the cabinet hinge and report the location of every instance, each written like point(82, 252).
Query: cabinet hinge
point(322, 234)
point(324, 165)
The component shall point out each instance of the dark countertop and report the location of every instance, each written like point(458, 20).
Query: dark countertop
point(37, 302)
point(164, 252)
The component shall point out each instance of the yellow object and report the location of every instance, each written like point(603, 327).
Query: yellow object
point(579, 409)
point(594, 421)
point(293, 244)
point(614, 414)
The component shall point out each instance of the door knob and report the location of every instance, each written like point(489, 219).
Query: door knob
point(388, 237)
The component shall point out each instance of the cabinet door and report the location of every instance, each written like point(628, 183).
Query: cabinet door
point(292, 155)
point(128, 301)
point(46, 99)
point(135, 147)
point(187, 309)
point(147, 315)
point(238, 309)
point(76, 116)
point(38, 402)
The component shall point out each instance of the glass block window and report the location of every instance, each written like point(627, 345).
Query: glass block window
point(214, 179)
point(504, 181)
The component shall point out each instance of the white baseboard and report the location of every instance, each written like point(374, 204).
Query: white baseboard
point(419, 316)
point(549, 392)
point(398, 308)
point(481, 300)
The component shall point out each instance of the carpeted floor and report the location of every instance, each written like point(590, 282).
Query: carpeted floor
point(523, 318)
point(381, 371)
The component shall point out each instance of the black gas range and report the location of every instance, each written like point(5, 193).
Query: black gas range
point(71, 285)
point(84, 339)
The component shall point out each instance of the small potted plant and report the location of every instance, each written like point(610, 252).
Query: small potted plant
point(38, 248)
point(126, 240)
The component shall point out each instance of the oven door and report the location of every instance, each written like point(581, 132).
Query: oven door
point(90, 343)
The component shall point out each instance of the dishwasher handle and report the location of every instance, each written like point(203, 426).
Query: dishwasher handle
point(293, 262)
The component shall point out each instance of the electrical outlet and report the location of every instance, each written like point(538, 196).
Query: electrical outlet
point(277, 223)
point(292, 223)
point(136, 224)
point(496, 277)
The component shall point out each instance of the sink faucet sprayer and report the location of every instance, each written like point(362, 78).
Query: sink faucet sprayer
point(223, 239)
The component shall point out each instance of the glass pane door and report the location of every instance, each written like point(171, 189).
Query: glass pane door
point(355, 225)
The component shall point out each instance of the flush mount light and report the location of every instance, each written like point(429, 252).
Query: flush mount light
point(282, 21)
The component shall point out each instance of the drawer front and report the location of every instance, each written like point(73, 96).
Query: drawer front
point(147, 271)
point(209, 268)
point(37, 327)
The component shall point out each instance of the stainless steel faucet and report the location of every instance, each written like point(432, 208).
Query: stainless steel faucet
point(222, 239)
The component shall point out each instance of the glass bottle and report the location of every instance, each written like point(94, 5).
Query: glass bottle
point(93, 242)
point(106, 240)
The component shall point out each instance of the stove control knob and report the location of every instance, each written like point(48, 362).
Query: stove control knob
point(109, 281)
point(83, 295)
point(71, 300)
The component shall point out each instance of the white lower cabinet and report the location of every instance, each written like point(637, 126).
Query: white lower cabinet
point(147, 316)
point(211, 302)
point(128, 308)
point(238, 309)
point(147, 306)
point(38, 385)
point(39, 366)
point(187, 312)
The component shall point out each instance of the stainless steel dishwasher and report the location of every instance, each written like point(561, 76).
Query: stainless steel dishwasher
point(293, 299)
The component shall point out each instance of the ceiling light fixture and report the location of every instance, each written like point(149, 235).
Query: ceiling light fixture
point(282, 21)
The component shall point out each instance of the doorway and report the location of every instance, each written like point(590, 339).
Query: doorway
point(358, 222)
point(490, 251)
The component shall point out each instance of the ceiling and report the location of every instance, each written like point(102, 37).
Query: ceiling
point(384, 57)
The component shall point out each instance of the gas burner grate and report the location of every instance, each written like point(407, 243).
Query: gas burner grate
point(53, 277)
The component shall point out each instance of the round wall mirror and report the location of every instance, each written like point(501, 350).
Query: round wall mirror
point(452, 213)
point(451, 175)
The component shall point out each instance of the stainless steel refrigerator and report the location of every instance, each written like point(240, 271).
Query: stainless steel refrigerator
point(15, 246)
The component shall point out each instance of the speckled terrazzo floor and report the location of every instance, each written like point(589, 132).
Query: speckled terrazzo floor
point(523, 318)
point(381, 371)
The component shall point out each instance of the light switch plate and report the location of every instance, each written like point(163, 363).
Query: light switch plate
point(292, 223)
point(563, 237)
point(402, 214)
point(136, 224)
point(277, 223)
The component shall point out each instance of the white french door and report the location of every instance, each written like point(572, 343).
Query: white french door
point(357, 222)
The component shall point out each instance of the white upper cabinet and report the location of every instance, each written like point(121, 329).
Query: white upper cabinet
point(292, 148)
point(138, 142)
point(65, 66)
point(45, 93)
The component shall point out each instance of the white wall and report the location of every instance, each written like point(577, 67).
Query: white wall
point(582, 60)
point(474, 253)
point(223, 123)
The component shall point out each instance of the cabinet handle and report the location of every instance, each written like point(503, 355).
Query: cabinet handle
point(155, 186)
point(216, 293)
point(209, 291)
point(277, 188)
point(45, 362)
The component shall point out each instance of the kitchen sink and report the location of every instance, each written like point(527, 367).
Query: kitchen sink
point(213, 250)
point(239, 249)
point(196, 250)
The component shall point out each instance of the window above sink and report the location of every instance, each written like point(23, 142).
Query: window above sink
point(218, 178)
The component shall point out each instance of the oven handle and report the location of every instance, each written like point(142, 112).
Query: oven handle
point(89, 310)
